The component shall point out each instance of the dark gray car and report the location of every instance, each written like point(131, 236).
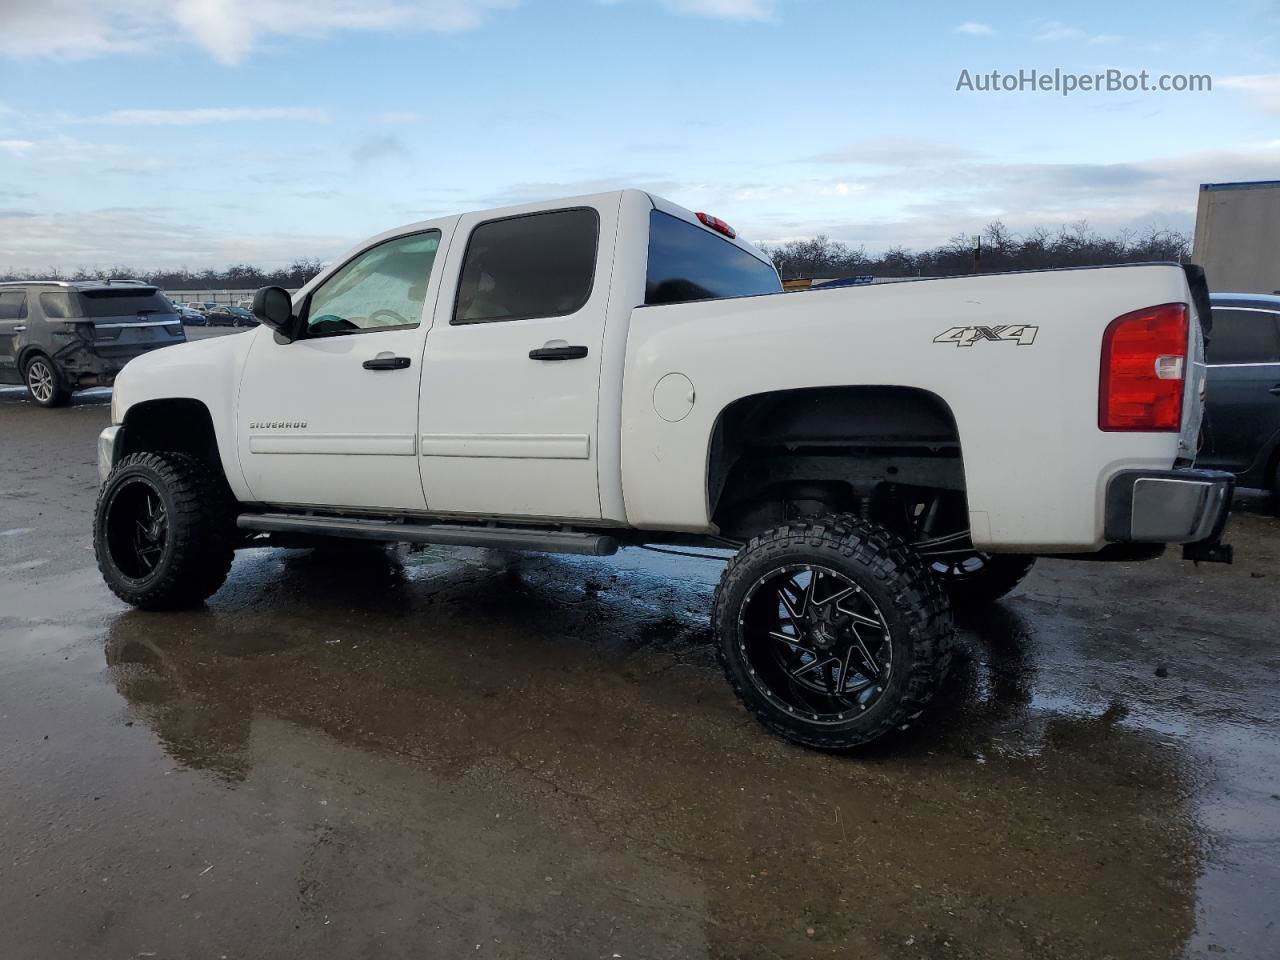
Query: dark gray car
point(57, 336)
point(1242, 405)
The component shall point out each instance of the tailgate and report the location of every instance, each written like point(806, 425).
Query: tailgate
point(1201, 329)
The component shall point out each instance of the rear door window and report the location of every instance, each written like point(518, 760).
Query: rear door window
point(60, 305)
point(1241, 335)
point(537, 265)
point(688, 262)
point(13, 305)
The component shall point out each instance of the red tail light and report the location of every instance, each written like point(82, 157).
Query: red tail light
point(1144, 361)
point(716, 224)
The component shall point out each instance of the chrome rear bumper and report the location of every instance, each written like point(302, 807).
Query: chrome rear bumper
point(1189, 507)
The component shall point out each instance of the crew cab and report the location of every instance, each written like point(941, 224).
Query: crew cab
point(614, 370)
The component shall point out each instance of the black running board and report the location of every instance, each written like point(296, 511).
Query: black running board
point(454, 535)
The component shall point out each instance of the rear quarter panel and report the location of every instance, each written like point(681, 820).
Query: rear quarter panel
point(1036, 464)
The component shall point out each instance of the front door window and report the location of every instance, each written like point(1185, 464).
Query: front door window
point(382, 288)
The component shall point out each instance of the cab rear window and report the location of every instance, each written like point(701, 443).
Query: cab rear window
point(688, 262)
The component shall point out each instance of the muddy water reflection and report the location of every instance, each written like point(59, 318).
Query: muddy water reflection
point(510, 721)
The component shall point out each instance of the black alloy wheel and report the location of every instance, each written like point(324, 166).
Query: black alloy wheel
point(832, 631)
point(818, 645)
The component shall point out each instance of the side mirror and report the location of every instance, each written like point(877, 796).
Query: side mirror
point(273, 307)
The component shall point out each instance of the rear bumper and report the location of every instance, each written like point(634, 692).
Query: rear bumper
point(83, 367)
point(1171, 506)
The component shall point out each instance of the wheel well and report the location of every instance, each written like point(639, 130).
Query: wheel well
point(788, 454)
point(178, 424)
point(24, 357)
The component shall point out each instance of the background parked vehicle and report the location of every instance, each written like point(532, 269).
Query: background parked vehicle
point(245, 317)
point(57, 337)
point(1242, 421)
point(190, 315)
point(225, 316)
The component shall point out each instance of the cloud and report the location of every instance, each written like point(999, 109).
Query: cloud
point(145, 238)
point(15, 147)
point(1262, 88)
point(921, 206)
point(724, 9)
point(896, 152)
point(398, 118)
point(227, 29)
point(531, 191)
point(1053, 30)
point(205, 115)
point(383, 146)
point(976, 29)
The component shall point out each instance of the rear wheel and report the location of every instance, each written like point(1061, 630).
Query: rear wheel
point(974, 579)
point(163, 531)
point(832, 631)
point(44, 383)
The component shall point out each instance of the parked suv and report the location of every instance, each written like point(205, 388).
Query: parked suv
point(57, 336)
point(1242, 411)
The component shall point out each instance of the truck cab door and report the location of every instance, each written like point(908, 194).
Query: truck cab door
point(330, 419)
point(511, 374)
point(1242, 400)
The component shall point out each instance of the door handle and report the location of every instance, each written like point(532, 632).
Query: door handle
point(386, 363)
point(1275, 391)
point(558, 353)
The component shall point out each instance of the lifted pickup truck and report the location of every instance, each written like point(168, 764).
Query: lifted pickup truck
point(614, 370)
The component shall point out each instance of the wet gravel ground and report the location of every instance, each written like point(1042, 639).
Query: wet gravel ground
point(453, 752)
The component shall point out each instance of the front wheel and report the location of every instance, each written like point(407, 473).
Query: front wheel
point(832, 631)
point(163, 531)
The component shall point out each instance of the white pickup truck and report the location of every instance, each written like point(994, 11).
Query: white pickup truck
point(614, 370)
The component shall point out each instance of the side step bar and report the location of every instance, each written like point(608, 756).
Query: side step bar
point(454, 535)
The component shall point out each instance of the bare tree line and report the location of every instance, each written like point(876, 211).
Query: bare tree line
point(240, 276)
point(1072, 245)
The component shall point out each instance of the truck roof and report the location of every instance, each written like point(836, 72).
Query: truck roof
point(675, 210)
point(658, 203)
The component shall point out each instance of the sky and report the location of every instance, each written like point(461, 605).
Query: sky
point(199, 133)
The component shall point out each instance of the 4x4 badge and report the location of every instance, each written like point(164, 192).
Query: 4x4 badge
point(1024, 335)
